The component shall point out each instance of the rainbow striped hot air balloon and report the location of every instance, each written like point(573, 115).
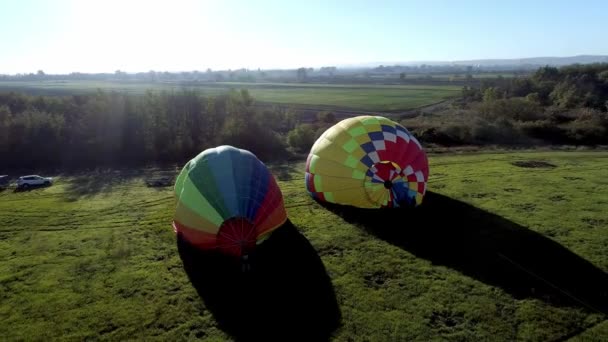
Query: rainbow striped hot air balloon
point(367, 162)
point(228, 200)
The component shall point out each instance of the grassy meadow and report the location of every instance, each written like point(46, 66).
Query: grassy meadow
point(497, 252)
point(356, 97)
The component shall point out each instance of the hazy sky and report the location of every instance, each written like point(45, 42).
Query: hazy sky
point(62, 36)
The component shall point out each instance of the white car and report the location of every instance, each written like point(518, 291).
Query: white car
point(33, 180)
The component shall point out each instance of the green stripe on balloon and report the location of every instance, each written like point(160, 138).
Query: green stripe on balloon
point(179, 182)
point(356, 131)
point(370, 121)
point(317, 183)
point(351, 161)
point(358, 174)
point(350, 145)
point(203, 180)
point(197, 202)
point(223, 175)
point(313, 162)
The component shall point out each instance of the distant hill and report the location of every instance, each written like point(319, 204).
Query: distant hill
point(556, 61)
point(533, 61)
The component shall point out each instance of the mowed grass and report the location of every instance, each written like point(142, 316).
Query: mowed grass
point(356, 97)
point(95, 257)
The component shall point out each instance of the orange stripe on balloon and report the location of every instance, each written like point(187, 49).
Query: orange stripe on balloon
point(192, 219)
point(196, 237)
point(273, 220)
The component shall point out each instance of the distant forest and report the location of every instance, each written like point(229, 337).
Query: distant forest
point(554, 106)
point(328, 74)
point(565, 106)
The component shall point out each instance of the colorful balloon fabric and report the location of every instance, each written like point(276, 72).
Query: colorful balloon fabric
point(228, 200)
point(367, 162)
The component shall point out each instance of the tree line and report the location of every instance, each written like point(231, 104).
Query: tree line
point(113, 128)
point(554, 106)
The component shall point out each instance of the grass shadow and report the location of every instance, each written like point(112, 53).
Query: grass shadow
point(31, 188)
point(287, 295)
point(489, 248)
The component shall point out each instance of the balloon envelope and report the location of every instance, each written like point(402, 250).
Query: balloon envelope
point(367, 162)
point(227, 199)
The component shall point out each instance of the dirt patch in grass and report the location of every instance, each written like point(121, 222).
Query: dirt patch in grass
point(528, 207)
point(376, 279)
point(331, 250)
point(535, 164)
point(512, 190)
point(573, 178)
point(557, 198)
point(445, 318)
point(594, 222)
point(483, 195)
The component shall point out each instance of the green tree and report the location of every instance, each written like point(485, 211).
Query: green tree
point(565, 95)
point(533, 97)
point(490, 95)
point(326, 117)
point(5, 130)
point(302, 137)
point(546, 73)
point(603, 76)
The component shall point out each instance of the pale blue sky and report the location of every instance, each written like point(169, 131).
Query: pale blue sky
point(135, 35)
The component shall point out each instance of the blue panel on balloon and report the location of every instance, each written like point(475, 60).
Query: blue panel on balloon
point(368, 147)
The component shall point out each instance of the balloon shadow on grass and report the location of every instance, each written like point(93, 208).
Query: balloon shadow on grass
point(489, 248)
point(286, 295)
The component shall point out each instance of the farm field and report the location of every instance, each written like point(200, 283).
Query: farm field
point(356, 97)
point(507, 246)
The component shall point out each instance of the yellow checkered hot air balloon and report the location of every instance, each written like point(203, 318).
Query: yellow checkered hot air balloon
point(367, 162)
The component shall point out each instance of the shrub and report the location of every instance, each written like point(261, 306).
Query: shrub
point(544, 130)
point(302, 137)
point(534, 98)
point(501, 131)
point(590, 127)
point(326, 117)
point(263, 142)
point(517, 109)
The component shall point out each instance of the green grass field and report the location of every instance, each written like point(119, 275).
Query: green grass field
point(365, 97)
point(497, 253)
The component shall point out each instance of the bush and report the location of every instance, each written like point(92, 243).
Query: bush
point(326, 117)
point(590, 127)
point(445, 135)
point(516, 109)
point(302, 137)
point(544, 130)
point(534, 98)
point(501, 131)
point(263, 142)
